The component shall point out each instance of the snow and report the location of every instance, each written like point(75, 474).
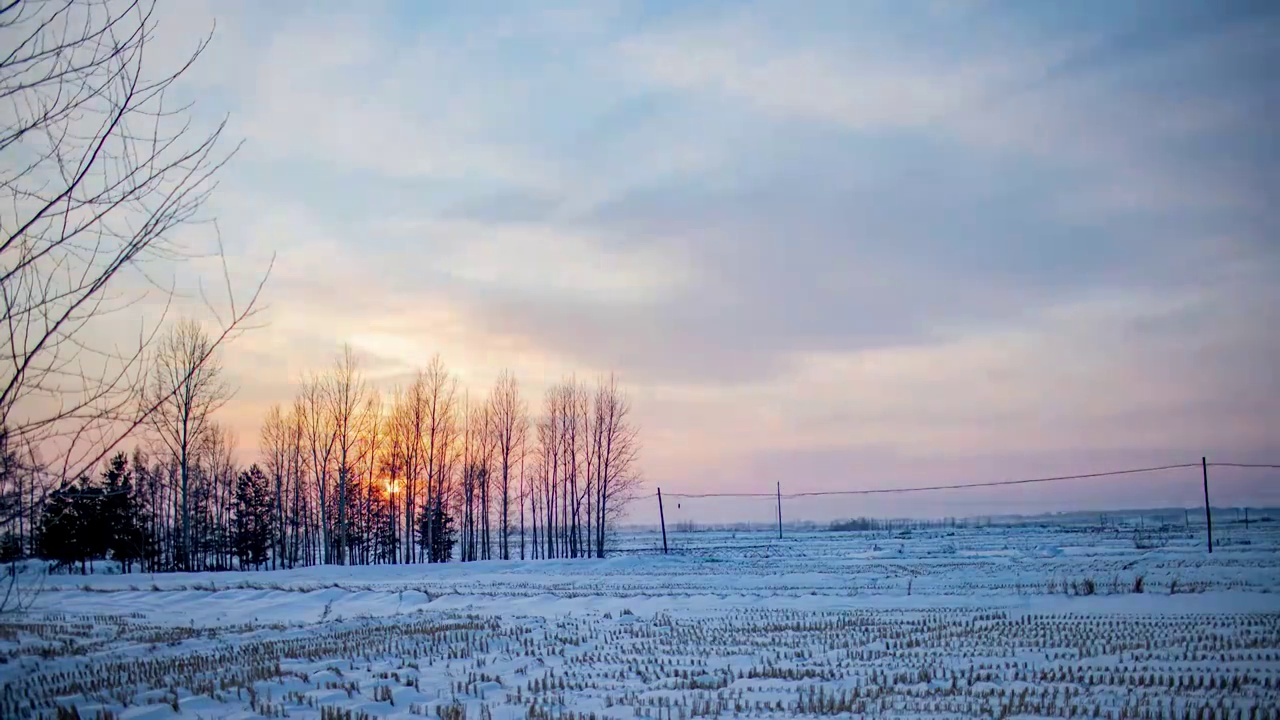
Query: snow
point(950, 623)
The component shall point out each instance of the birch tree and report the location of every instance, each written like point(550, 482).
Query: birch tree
point(508, 424)
point(617, 477)
point(320, 438)
point(186, 386)
point(347, 398)
point(440, 401)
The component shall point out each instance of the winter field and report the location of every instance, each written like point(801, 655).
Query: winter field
point(1062, 621)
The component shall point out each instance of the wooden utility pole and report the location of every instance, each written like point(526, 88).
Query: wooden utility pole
point(779, 510)
point(1208, 517)
point(662, 519)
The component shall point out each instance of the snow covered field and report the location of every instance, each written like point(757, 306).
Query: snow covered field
point(988, 622)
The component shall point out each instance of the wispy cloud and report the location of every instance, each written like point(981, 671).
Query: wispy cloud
point(807, 237)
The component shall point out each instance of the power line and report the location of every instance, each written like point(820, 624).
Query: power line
point(965, 486)
point(1244, 465)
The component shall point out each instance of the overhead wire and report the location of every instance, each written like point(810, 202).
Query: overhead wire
point(965, 486)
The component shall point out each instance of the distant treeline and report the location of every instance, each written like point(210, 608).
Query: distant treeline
point(861, 524)
point(347, 474)
point(1153, 519)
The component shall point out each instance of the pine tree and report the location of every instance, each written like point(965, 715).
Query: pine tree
point(121, 518)
point(254, 522)
point(93, 534)
point(53, 538)
point(144, 530)
point(383, 530)
point(443, 535)
point(10, 547)
point(64, 535)
point(11, 501)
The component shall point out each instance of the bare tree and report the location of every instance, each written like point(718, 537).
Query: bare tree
point(414, 419)
point(475, 474)
point(98, 166)
point(185, 387)
point(617, 471)
point(370, 446)
point(447, 454)
point(589, 458)
point(550, 453)
point(398, 448)
point(347, 397)
point(573, 433)
point(218, 459)
point(276, 444)
point(484, 455)
point(296, 424)
point(509, 421)
point(320, 439)
point(438, 390)
point(524, 491)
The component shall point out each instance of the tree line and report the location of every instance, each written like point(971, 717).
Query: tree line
point(348, 473)
point(434, 460)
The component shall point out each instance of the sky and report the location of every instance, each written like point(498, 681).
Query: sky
point(832, 245)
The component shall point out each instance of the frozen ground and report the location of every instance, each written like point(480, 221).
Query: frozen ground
point(994, 622)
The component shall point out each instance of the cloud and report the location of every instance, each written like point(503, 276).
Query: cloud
point(863, 88)
point(529, 258)
point(1089, 386)
point(1114, 99)
point(829, 237)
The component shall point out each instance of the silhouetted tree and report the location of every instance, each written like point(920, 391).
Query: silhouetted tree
point(437, 535)
point(72, 528)
point(186, 386)
point(56, 537)
point(254, 519)
point(121, 515)
point(344, 471)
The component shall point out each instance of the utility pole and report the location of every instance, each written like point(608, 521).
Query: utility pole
point(779, 510)
point(1208, 518)
point(662, 519)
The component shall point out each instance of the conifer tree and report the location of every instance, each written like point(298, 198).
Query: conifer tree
point(120, 514)
point(56, 538)
point(437, 544)
point(254, 523)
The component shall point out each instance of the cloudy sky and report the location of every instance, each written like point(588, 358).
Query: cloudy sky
point(827, 244)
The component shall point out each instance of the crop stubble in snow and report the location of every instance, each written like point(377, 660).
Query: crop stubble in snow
point(997, 624)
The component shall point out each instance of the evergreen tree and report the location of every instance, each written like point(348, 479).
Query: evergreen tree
point(355, 535)
point(254, 522)
point(11, 500)
point(443, 535)
point(63, 536)
point(93, 534)
point(145, 483)
point(385, 531)
point(10, 547)
point(121, 519)
point(53, 537)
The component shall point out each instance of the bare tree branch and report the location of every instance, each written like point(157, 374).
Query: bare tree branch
point(98, 168)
